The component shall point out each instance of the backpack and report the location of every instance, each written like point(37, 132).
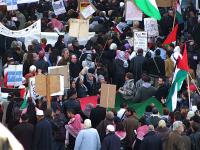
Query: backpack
point(16, 112)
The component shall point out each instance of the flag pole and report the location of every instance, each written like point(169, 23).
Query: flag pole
point(194, 83)
point(188, 89)
point(174, 15)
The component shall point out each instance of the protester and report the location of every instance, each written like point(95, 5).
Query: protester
point(111, 141)
point(24, 132)
point(88, 138)
point(43, 133)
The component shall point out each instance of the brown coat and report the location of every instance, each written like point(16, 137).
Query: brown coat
point(169, 67)
point(175, 142)
point(130, 124)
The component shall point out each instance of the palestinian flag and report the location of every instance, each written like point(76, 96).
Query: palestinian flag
point(179, 16)
point(179, 76)
point(24, 103)
point(149, 7)
point(171, 38)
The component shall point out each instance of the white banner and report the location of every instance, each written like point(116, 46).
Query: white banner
point(15, 74)
point(151, 27)
point(26, 1)
point(32, 29)
point(33, 93)
point(140, 41)
point(58, 7)
point(132, 11)
point(11, 4)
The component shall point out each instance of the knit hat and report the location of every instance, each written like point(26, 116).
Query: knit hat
point(32, 68)
point(39, 112)
point(110, 128)
point(87, 123)
point(113, 46)
point(190, 114)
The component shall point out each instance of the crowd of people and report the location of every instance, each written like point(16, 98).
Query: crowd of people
point(107, 57)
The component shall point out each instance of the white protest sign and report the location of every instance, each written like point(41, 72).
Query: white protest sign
point(11, 4)
point(15, 74)
point(88, 11)
point(151, 27)
point(32, 29)
point(58, 7)
point(140, 40)
point(32, 89)
point(132, 11)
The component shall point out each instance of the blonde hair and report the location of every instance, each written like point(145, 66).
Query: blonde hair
point(162, 124)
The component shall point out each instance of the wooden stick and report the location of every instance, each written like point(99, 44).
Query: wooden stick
point(174, 16)
point(194, 83)
point(188, 89)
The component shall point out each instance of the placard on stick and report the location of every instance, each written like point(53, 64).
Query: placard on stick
point(108, 92)
point(61, 70)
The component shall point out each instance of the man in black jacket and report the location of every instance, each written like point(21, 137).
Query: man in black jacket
point(24, 133)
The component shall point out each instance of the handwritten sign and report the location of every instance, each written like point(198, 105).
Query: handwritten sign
point(140, 41)
point(88, 11)
point(151, 27)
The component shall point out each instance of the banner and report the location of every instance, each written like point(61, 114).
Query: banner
point(32, 29)
point(132, 11)
point(11, 4)
point(79, 28)
point(88, 11)
point(27, 1)
point(151, 27)
point(140, 41)
point(15, 74)
point(58, 7)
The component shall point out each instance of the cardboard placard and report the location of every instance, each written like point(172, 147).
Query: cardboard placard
point(88, 11)
point(61, 70)
point(151, 27)
point(83, 4)
point(164, 3)
point(40, 85)
point(132, 11)
point(140, 41)
point(79, 28)
point(108, 93)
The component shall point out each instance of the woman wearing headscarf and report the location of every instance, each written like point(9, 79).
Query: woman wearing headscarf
point(120, 66)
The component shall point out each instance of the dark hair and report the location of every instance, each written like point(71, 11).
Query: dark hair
point(119, 126)
point(131, 110)
point(72, 111)
point(165, 111)
point(177, 116)
point(123, 105)
point(129, 75)
point(155, 111)
point(24, 117)
point(195, 126)
point(142, 120)
point(71, 92)
point(148, 108)
point(146, 78)
point(157, 52)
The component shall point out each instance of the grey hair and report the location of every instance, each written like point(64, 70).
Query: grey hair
point(176, 125)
